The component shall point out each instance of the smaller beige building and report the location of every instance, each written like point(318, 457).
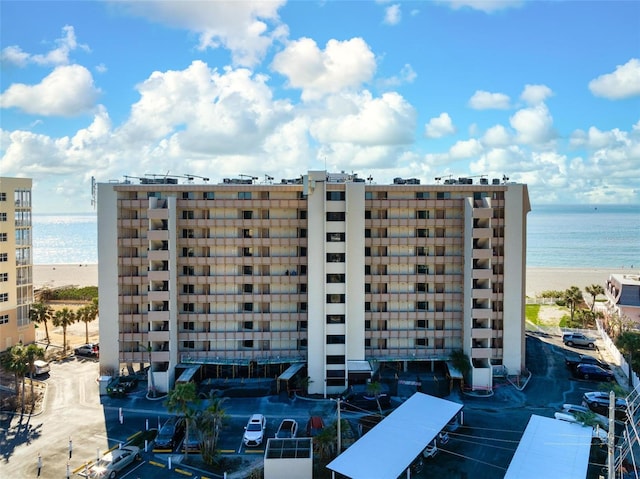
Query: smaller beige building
point(16, 262)
point(623, 296)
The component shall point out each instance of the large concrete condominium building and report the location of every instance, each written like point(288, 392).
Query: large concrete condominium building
point(247, 279)
point(16, 263)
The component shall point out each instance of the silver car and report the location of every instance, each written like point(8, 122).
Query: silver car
point(114, 462)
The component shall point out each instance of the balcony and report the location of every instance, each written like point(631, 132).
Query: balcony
point(158, 235)
point(158, 315)
point(160, 336)
point(158, 214)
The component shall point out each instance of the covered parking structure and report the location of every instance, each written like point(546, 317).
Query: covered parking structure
point(551, 448)
point(390, 447)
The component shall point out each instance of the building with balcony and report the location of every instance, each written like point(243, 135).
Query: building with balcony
point(623, 297)
point(247, 279)
point(16, 263)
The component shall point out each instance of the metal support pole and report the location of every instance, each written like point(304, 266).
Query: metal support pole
point(611, 473)
point(339, 430)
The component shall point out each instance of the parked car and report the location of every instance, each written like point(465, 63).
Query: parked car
point(122, 385)
point(315, 425)
point(586, 413)
point(288, 428)
point(41, 367)
point(573, 359)
point(89, 349)
point(593, 372)
point(598, 401)
point(598, 436)
point(254, 430)
point(431, 450)
point(579, 339)
point(170, 434)
point(357, 398)
point(112, 463)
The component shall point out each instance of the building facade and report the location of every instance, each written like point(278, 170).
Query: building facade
point(623, 297)
point(327, 270)
point(16, 262)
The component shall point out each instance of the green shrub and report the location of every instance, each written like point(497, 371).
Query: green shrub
point(86, 293)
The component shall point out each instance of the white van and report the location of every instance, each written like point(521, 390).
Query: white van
point(41, 367)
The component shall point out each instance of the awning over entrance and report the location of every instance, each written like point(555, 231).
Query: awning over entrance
point(390, 447)
point(551, 448)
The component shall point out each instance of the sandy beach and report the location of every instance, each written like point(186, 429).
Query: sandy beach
point(538, 279)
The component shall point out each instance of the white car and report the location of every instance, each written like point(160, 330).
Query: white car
point(41, 367)
point(599, 435)
point(288, 429)
point(112, 463)
point(254, 430)
point(584, 411)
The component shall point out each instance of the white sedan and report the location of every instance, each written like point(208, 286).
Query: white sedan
point(114, 462)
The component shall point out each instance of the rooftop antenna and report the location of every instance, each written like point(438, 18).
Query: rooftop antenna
point(268, 179)
point(438, 179)
point(505, 178)
point(370, 179)
point(191, 177)
point(252, 178)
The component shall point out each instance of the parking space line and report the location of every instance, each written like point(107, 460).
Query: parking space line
point(158, 464)
point(183, 472)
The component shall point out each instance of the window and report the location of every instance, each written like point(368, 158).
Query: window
point(3, 237)
point(303, 325)
point(443, 195)
point(247, 343)
point(4, 297)
point(247, 270)
point(335, 216)
point(421, 287)
point(4, 319)
point(335, 318)
point(302, 214)
point(335, 298)
point(247, 251)
point(421, 251)
point(4, 257)
point(302, 251)
point(335, 338)
point(421, 324)
point(246, 233)
point(422, 233)
point(335, 237)
point(302, 307)
point(188, 195)
point(336, 278)
point(188, 215)
point(188, 325)
point(3, 197)
point(208, 195)
point(422, 342)
point(302, 343)
point(244, 195)
point(422, 195)
point(247, 307)
point(422, 215)
point(247, 288)
point(187, 233)
point(302, 233)
point(188, 288)
point(335, 373)
point(338, 382)
point(188, 345)
point(4, 277)
point(247, 214)
point(188, 308)
point(335, 257)
point(188, 270)
point(335, 195)
point(3, 217)
point(247, 325)
point(335, 359)
point(187, 252)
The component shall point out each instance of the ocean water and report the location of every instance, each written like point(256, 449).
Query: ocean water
point(563, 236)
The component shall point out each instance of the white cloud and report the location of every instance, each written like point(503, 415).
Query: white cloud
point(246, 28)
point(439, 126)
point(465, 149)
point(392, 14)
point(496, 136)
point(67, 91)
point(57, 56)
point(406, 75)
point(340, 66)
point(484, 100)
point(487, 6)
point(624, 82)
point(533, 125)
point(365, 121)
point(535, 94)
point(596, 139)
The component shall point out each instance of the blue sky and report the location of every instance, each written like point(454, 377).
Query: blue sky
point(546, 93)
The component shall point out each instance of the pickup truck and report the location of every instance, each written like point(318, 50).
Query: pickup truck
point(578, 339)
point(288, 429)
point(572, 360)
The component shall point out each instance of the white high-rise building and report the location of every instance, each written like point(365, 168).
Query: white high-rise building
point(247, 279)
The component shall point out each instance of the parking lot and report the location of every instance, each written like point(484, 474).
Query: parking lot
point(481, 448)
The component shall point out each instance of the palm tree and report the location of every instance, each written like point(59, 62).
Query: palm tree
point(180, 400)
point(32, 353)
point(572, 297)
point(64, 317)
point(375, 388)
point(594, 290)
point(13, 361)
point(209, 423)
point(41, 313)
point(88, 314)
point(152, 382)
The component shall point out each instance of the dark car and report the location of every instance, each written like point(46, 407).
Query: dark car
point(598, 402)
point(572, 360)
point(171, 433)
point(593, 372)
point(120, 386)
point(361, 400)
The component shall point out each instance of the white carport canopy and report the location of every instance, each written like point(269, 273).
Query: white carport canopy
point(389, 448)
point(551, 448)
